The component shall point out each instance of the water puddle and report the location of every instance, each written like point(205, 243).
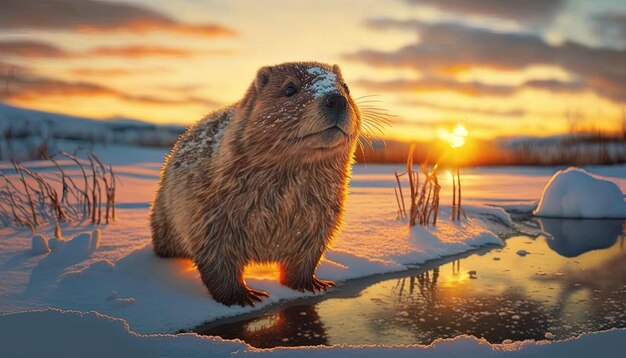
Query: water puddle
point(532, 288)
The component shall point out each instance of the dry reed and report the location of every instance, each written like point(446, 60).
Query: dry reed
point(29, 198)
point(424, 208)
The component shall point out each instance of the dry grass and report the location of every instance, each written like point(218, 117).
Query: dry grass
point(31, 199)
point(457, 209)
point(424, 200)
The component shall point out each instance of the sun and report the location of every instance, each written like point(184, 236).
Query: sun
point(456, 138)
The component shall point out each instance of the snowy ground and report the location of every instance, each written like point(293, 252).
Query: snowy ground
point(122, 278)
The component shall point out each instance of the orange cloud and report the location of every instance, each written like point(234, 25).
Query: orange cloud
point(526, 11)
point(516, 112)
point(101, 72)
point(27, 48)
point(472, 89)
point(136, 51)
point(38, 49)
point(96, 16)
point(442, 47)
point(26, 87)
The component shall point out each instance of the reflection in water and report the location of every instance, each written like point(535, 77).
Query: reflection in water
point(292, 326)
point(572, 237)
point(565, 286)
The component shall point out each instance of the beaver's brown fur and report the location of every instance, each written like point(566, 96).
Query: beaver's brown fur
point(262, 180)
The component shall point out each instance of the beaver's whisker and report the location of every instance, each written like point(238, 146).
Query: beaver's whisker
point(376, 115)
point(376, 109)
point(368, 142)
point(376, 118)
point(372, 129)
point(361, 148)
point(367, 136)
point(379, 121)
point(379, 112)
point(368, 102)
point(369, 95)
point(367, 132)
point(376, 128)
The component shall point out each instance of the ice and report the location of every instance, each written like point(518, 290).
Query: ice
point(576, 193)
point(78, 334)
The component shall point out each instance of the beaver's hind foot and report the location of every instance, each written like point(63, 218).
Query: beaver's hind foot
point(311, 283)
point(243, 296)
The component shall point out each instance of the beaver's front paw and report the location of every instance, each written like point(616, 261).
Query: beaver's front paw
point(312, 284)
point(243, 296)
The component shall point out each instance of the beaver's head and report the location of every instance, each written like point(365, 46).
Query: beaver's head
point(301, 110)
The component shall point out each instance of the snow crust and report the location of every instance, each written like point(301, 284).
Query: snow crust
point(576, 193)
point(77, 334)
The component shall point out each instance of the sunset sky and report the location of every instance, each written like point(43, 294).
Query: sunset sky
point(500, 67)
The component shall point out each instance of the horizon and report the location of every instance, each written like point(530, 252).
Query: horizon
point(155, 61)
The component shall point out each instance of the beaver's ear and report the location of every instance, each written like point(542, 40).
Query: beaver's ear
point(337, 70)
point(262, 78)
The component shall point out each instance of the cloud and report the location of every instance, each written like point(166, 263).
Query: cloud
point(28, 87)
point(6, 68)
point(102, 72)
point(96, 16)
point(471, 89)
point(445, 48)
point(40, 49)
point(137, 51)
point(447, 123)
point(520, 11)
point(611, 26)
point(516, 112)
point(27, 48)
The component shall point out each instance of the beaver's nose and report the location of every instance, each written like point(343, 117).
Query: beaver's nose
point(336, 101)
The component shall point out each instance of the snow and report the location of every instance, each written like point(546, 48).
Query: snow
point(576, 193)
point(39, 245)
point(38, 333)
point(25, 130)
point(324, 83)
point(112, 270)
point(156, 295)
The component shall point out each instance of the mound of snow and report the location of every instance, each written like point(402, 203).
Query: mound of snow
point(575, 193)
point(39, 245)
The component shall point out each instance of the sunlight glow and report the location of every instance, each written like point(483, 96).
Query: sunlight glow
point(456, 138)
point(262, 271)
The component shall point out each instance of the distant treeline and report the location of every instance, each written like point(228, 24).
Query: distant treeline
point(575, 149)
point(27, 134)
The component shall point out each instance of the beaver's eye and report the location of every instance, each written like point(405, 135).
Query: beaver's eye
point(290, 90)
point(345, 86)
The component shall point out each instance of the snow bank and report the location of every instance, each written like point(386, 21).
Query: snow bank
point(156, 295)
point(575, 193)
point(39, 245)
point(75, 334)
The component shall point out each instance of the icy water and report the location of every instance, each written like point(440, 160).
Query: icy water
point(530, 289)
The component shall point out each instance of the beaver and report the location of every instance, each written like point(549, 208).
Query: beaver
point(262, 180)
